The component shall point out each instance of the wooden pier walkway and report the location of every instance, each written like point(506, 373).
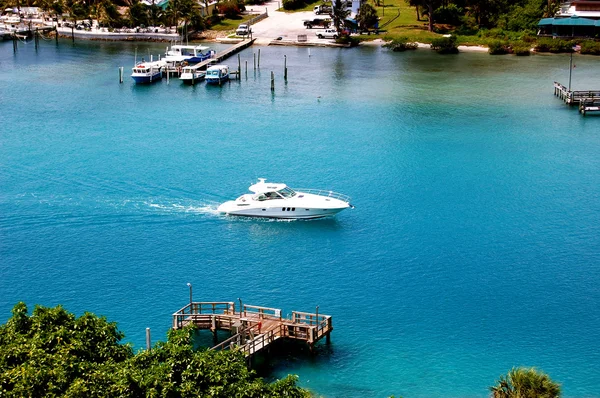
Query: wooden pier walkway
point(221, 56)
point(253, 328)
point(588, 101)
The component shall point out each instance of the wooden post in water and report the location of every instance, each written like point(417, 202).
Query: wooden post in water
point(56, 36)
point(246, 69)
point(272, 81)
point(239, 68)
point(36, 39)
point(254, 57)
point(148, 340)
point(73, 33)
point(120, 74)
point(285, 68)
point(14, 42)
point(259, 58)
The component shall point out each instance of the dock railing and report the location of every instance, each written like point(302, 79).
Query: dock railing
point(201, 311)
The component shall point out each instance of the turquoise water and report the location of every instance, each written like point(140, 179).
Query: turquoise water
point(474, 245)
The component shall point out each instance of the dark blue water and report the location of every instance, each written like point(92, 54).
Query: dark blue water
point(474, 246)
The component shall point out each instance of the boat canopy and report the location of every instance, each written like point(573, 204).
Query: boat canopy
point(262, 186)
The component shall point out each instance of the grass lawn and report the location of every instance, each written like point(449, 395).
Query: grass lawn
point(231, 24)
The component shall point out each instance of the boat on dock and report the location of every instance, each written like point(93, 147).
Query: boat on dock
point(192, 74)
point(148, 72)
point(217, 74)
point(184, 53)
point(275, 200)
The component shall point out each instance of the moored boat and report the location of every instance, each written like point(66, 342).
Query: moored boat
point(275, 200)
point(190, 54)
point(147, 72)
point(217, 74)
point(192, 74)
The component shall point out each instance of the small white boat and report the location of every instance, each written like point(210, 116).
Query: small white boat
point(192, 74)
point(279, 201)
point(148, 72)
point(217, 74)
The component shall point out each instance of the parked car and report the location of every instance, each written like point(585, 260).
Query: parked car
point(327, 34)
point(243, 30)
point(324, 23)
point(322, 9)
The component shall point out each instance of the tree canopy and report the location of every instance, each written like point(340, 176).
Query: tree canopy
point(525, 383)
point(54, 353)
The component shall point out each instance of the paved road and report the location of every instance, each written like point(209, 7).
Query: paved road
point(285, 25)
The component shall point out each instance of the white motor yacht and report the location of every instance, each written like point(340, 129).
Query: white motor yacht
point(276, 200)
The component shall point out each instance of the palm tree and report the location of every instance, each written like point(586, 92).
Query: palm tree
point(525, 383)
point(339, 13)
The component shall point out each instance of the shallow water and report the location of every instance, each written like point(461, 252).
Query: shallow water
point(474, 245)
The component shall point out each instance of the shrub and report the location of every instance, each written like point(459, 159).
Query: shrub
point(445, 45)
point(590, 47)
point(231, 9)
point(498, 47)
point(401, 44)
point(347, 39)
point(521, 48)
point(292, 4)
point(554, 46)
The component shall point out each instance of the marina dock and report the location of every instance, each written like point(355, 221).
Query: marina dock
point(253, 328)
point(587, 100)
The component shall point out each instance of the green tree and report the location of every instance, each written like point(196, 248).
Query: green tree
point(525, 383)
point(54, 353)
point(367, 16)
point(138, 14)
point(339, 13)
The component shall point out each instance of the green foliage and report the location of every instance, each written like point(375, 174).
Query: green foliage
point(401, 44)
point(450, 14)
point(525, 383)
point(445, 45)
point(339, 13)
point(521, 48)
point(347, 39)
point(554, 45)
point(590, 47)
point(138, 14)
point(54, 353)
point(293, 4)
point(367, 16)
point(498, 47)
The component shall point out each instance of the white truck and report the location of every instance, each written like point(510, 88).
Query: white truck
point(327, 34)
point(243, 30)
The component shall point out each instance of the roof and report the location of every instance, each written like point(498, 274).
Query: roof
point(263, 186)
point(572, 21)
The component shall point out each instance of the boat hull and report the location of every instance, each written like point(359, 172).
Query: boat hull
point(212, 80)
point(147, 78)
point(282, 211)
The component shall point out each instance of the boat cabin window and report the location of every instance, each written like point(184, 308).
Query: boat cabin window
point(287, 192)
point(268, 196)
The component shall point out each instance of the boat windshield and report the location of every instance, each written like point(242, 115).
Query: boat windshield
point(287, 192)
point(267, 196)
point(213, 73)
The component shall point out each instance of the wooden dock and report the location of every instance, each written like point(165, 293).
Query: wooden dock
point(587, 100)
point(221, 56)
point(253, 328)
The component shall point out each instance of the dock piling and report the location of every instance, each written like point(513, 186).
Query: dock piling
point(285, 68)
point(259, 58)
point(56, 34)
point(254, 57)
point(14, 42)
point(239, 67)
point(36, 39)
point(272, 81)
point(120, 74)
point(246, 69)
